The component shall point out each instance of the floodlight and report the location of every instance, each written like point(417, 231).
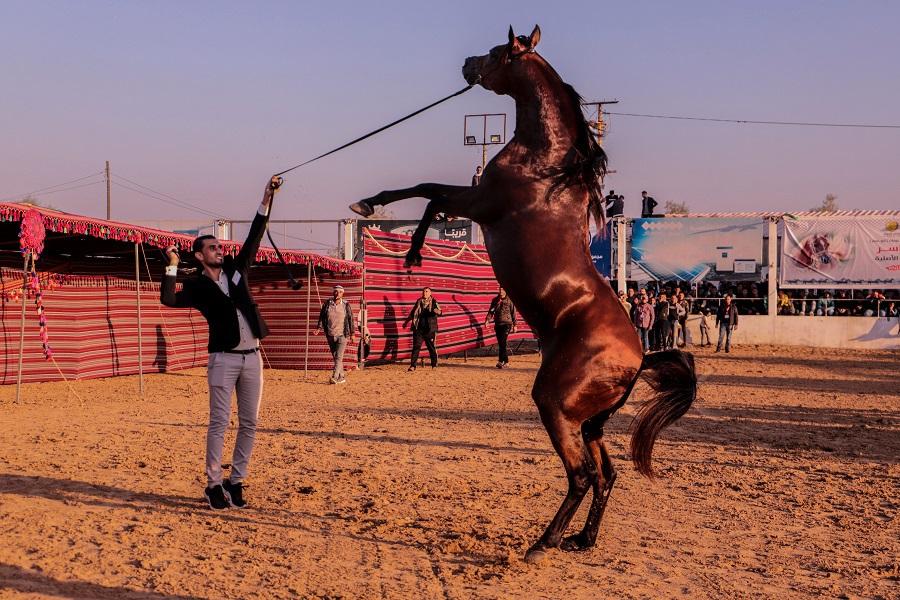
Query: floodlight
point(470, 140)
point(495, 138)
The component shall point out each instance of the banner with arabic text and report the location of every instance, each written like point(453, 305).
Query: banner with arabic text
point(841, 252)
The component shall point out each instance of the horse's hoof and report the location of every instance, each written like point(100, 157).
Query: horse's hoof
point(535, 556)
point(414, 260)
point(575, 543)
point(362, 208)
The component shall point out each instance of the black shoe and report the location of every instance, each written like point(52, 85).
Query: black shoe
point(235, 492)
point(217, 497)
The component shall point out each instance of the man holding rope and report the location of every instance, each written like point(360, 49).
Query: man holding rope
point(221, 293)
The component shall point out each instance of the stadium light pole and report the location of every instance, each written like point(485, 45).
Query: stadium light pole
point(472, 135)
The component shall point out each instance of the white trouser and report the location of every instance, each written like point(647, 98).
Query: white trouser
point(226, 373)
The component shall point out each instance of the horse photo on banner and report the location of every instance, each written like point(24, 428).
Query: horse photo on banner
point(841, 252)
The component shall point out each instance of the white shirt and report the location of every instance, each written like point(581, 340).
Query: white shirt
point(248, 340)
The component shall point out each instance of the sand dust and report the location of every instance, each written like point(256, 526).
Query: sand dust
point(783, 481)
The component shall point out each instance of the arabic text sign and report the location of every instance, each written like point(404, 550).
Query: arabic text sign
point(695, 248)
point(847, 253)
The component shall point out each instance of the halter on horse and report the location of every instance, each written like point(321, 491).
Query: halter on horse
point(532, 206)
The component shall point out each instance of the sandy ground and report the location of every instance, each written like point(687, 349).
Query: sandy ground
point(782, 482)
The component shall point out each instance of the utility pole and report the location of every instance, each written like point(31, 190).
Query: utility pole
point(108, 195)
point(600, 124)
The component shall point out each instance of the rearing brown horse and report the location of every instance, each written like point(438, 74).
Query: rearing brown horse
point(532, 205)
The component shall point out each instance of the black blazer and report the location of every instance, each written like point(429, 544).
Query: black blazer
point(204, 294)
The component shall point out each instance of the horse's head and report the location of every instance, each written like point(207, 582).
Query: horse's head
point(503, 65)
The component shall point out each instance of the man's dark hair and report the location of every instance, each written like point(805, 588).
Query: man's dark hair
point(644, 191)
point(197, 246)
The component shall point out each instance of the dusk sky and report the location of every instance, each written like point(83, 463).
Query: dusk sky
point(202, 101)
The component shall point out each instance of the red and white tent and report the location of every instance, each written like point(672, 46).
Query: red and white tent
point(100, 279)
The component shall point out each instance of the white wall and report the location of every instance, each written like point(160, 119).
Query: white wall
point(864, 333)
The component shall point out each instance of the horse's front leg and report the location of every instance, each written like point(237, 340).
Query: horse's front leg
point(464, 204)
point(429, 191)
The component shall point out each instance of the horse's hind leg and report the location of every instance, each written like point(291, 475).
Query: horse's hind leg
point(580, 470)
point(592, 430)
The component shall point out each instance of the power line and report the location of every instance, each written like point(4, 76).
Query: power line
point(44, 189)
point(754, 122)
point(74, 187)
point(180, 202)
point(166, 199)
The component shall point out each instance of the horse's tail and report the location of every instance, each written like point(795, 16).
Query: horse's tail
point(671, 375)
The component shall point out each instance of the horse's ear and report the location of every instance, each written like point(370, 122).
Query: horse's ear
point(534, 38)
point(512, 36)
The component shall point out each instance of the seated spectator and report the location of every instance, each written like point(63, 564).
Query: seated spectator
point(842, 305)
point(825, 306)
point(785, 307)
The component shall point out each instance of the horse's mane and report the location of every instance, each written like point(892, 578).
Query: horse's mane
point(585, 163)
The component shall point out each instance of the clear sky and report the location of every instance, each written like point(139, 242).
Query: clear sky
point(203, 100)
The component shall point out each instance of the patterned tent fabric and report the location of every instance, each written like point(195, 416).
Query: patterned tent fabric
point(93, 325)
point(91, 306)
point(461, 279)
point(60, 222)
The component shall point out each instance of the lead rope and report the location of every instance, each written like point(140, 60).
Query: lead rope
point(296, 285)
point(379, 130)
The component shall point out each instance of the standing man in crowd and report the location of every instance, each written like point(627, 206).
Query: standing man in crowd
point(476, 178)
point(704, 328)
point(336, 320)
point(423, 317)
point(615, 205)
point(726, 321)
point(643, 320)
point(648, 204)
point(504, 314)
point(683, 309)
point(221, 293)
point(663, 323)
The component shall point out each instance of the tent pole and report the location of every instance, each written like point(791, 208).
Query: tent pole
point(137, 282)
point(363, 321)
point(22, 324)
point(308, 312)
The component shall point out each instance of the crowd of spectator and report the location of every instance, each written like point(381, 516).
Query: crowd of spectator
point(840, 303)
point(751, 298)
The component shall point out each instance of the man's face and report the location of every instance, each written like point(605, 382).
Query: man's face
point(338, 294)
point(211, 255)
point(502, 293)
point(426, 294)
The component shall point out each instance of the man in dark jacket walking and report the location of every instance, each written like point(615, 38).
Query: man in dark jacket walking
point(221, 293)
point(336, 320)
point(726, 321)
point(504, 314)
point(423, 317)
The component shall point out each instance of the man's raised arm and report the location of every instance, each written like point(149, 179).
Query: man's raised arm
point(251, 246)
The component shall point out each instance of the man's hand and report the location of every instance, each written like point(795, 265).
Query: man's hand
point(514, 329)
point(271, 187)
point(274, 183)
point(172, 254)
point(317, 331)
